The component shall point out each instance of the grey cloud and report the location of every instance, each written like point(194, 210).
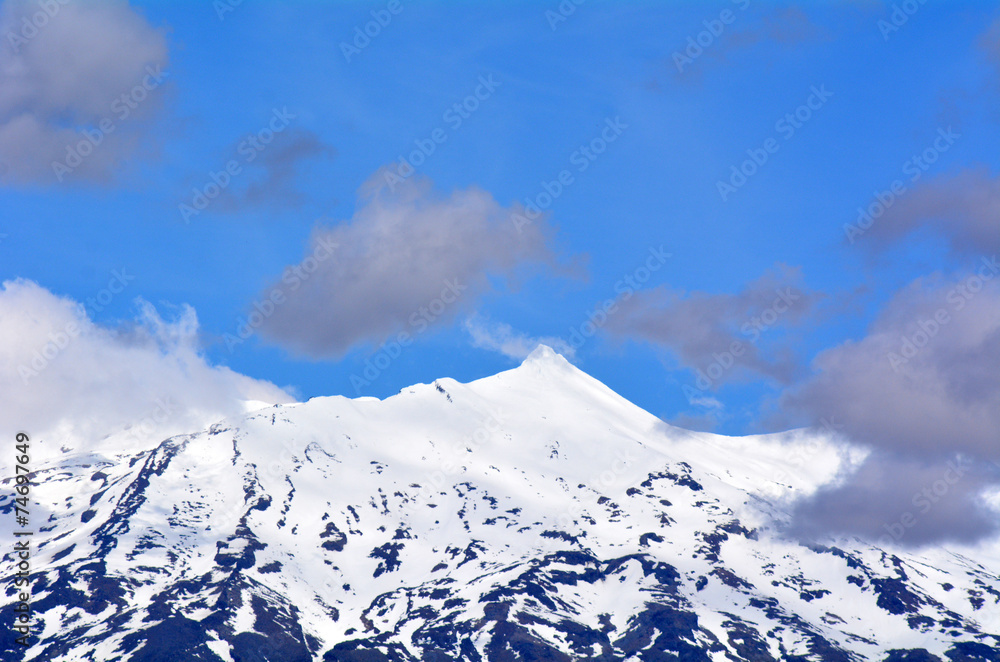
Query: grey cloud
point(964, 208)
point(406, 261)
point(63, 77)
point(924, 379)
point(277, 168)
point(898, 500)
point(922, 390)
point(697, 327)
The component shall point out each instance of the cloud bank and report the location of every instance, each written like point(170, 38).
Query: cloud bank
point(923, 390)
point(902, 500)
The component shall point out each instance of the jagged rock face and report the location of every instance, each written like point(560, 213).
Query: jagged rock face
point(533, 515)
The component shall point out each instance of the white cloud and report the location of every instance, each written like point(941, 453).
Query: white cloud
point(69, 382)
point(706, 401)
point(502, 338)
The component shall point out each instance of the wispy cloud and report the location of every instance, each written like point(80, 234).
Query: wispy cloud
point(272, 181)
point(989, 42)
point(963, 208)
point(504, 339)
point(733, 31)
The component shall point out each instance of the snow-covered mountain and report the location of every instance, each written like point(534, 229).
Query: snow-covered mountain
point(532, 515)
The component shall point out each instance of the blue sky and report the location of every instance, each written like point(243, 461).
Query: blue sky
point(871, 90)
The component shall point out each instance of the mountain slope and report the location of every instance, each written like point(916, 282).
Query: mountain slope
point(532, 515)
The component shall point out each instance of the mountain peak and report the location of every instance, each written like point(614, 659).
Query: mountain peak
point(535, 506)
point(543, 354)
point(548, 363)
